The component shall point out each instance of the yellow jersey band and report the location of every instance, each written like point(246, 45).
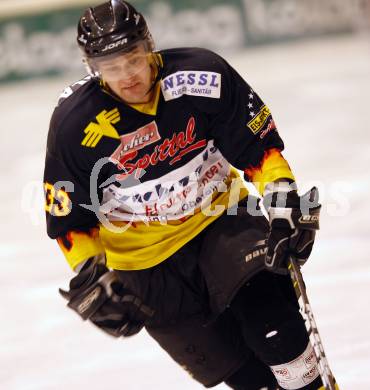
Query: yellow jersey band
point(273, 167)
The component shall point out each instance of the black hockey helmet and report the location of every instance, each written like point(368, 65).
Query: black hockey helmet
point(111, 27)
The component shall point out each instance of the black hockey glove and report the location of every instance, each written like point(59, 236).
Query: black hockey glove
point(293, 224)
point(97, 295)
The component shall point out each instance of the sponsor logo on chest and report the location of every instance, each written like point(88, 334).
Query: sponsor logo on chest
point(194, 83)
point(136, 140)
point(174, 148)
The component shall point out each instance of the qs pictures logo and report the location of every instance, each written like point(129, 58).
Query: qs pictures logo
point(104, 127)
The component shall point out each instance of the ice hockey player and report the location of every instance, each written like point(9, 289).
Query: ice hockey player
point(145, 200)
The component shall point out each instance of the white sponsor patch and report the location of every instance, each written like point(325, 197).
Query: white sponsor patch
point(171, 196)
point(191, 82)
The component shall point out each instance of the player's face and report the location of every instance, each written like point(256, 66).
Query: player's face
point(129, 75)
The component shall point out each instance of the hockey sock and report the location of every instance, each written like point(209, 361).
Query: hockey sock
point(301, 373)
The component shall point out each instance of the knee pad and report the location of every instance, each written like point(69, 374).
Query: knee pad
point(275, 336)
point(283, 340)
point(272, 326)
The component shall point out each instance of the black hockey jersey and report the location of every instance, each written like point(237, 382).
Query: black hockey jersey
point(139, 181)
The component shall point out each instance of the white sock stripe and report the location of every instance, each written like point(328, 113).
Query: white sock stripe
point(299, 372)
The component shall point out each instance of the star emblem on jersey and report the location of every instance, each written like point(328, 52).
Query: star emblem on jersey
point(104, 127)
point(258, 113)
point(250, 104)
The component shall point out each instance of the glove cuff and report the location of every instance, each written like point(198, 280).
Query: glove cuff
point(289, 210)
point(279, 186)
point(281, 195)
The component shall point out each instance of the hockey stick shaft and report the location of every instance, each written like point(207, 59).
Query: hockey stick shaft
point(300, 288)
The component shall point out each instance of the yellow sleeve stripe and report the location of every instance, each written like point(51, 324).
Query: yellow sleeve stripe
point(273, 167)
point(78, 246)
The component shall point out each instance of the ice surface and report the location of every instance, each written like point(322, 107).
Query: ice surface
point(318, 92)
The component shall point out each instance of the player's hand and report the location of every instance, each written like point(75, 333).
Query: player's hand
point(293, 224)
point(97, 295)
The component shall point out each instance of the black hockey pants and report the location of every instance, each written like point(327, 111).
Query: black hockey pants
point(215, 305)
